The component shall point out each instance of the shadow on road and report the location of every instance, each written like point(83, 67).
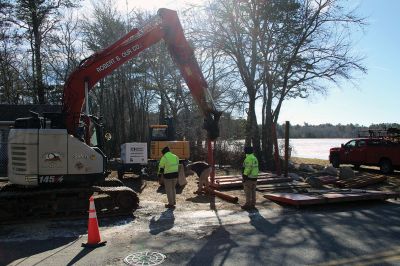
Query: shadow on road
point(325, 228)
point(199, 199)
point(218, 247)
point(161, 189)
point(10, 252)
point(79, 256)
point(164, 223)
point(137, 184)
point(59, 235)
point(261, 224)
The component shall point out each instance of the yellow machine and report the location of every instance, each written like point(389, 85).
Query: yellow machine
point(162, 136)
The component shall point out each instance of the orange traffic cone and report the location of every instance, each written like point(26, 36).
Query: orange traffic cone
point(93, 228)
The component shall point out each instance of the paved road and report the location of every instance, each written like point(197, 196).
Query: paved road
point(366, 234)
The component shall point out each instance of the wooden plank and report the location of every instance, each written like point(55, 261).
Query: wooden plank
point(279, 187)
point(360, 182)
point(259, 180)
point(239, 184)
point(227, 180)
point(298, 199)
point(328, 179)
point(260, 175)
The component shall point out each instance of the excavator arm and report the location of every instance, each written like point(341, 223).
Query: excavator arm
point(165, 26)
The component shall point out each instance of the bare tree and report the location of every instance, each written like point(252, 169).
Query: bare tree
point(104, 27)
point(63, 50)
point(125, 97)
point(232, 32)
point(37, 18)
point(11, 83)
point(220, 73)
point(306, 46)
point(281, 50)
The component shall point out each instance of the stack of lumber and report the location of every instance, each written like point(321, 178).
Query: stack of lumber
point(328, 179)
point(236, 181)
point(360, 181)
point(283, 186)
point(324, 197)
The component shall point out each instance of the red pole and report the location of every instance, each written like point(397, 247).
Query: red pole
point(223, 196)
point(211, 161)
point(210, 157)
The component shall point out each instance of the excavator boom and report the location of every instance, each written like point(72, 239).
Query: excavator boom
point(51, 171)
point(56, 169)
point(165, 25)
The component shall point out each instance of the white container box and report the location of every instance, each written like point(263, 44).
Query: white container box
point(134, 152)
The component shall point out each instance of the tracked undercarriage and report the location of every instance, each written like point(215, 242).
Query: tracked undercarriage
point(21, 204)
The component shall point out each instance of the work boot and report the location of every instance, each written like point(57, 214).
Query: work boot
point(169, 206)
point(246, 207)
point(199, 192)
point(253, 208)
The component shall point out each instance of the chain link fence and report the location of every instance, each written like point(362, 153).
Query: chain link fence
point(3, 151)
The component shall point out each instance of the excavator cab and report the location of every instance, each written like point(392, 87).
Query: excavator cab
point(164, 135)
point(159, 132)
point(164, 132)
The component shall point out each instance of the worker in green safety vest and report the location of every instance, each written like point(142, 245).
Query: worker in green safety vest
point(168, 170)
point(250, 174)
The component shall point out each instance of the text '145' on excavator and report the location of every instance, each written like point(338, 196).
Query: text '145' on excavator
point(56, 161)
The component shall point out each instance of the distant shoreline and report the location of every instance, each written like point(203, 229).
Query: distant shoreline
point(300, 160)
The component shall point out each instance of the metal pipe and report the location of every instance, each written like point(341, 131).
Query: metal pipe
point(210, 157)
point(222, 195)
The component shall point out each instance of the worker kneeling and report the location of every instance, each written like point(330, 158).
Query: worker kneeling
point(168, 170)
point(250, 174)
point(203, 170)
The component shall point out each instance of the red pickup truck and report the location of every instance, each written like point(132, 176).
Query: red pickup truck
point(368, 151)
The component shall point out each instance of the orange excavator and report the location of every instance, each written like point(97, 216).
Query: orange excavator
point(56, 160)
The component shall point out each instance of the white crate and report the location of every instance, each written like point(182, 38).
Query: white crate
point(134, 152)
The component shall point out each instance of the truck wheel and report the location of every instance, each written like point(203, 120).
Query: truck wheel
point(335, 161)
point(386, 166)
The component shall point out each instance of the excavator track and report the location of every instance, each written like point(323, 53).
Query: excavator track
point(22, 204)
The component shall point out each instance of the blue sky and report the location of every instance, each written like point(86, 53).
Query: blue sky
point(377, 96)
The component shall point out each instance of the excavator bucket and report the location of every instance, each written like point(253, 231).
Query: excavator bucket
point(211, 122)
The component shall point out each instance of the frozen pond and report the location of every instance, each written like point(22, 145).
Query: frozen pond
point(303, 148)
point(314, 148)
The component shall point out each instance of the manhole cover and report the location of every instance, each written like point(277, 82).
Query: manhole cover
point(145, 258)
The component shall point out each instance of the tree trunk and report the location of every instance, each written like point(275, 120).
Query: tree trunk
point(267, 142)
point(252, 132)
point(39, 72)
point(37, 55)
